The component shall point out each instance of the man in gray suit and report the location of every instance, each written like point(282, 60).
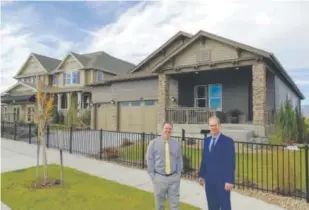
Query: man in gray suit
point(164, 166)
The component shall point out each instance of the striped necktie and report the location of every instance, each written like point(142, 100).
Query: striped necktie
point(167, 158)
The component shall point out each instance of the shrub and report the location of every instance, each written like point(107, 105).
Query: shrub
point(126, 142)
point(187, 166)
point(110, 152)
point(191, 141)
point(290, 125)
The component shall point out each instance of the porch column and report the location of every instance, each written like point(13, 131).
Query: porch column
point(59, 101)
point(68, 100)
point(79, 100)
point(163, 90)
point(259, 93)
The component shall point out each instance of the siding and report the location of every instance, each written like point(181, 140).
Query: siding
point(235, 87)
point(126, 91)
point(283, 92)
point(31, 67)
point(160, 56)
point(205, 51)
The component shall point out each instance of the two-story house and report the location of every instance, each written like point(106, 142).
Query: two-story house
point(67, 78)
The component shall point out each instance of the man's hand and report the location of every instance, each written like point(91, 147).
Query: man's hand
point(228, 187)
point(201, 181)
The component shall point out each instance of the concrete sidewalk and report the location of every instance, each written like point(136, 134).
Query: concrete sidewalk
point(18, 155)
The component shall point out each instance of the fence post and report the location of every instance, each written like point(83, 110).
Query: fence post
point(2, 128)
point(71, 138)
point(183, 134)
point(30, 133)
point(101, 143)
point(15, 130)
point(307, 171)
point(143, 150)
point(47, 136)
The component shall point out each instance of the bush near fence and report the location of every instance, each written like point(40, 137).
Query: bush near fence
point(266, 167)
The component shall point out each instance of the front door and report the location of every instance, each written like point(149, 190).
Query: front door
point(16, 112)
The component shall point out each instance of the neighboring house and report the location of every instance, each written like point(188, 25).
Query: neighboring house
point(188, 79)
point(67, 78)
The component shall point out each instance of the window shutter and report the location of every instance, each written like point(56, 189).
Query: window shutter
point(78, 77)
point(63, 75)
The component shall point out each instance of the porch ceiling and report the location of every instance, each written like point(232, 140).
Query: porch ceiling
point(23, 98)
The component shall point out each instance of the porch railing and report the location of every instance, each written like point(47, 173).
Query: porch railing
point(189, 115)
point(193, 115)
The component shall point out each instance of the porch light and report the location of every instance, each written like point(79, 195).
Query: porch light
point(112, 102)
point(173, 99)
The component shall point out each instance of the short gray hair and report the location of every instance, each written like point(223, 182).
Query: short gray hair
point(214, 118)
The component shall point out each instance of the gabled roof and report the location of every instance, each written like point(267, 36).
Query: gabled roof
point(101, 61)
point(47, 63)
point(216, 38)
point(235, 44)
point(168, 42)
point(32, 87)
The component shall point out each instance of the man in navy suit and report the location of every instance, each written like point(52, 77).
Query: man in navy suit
point(217, 170)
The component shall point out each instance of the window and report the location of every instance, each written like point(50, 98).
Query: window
point(200, 96)
point(149, 103)
point(215, 96)
point(99, 76)
point(71, 78)
point(135, 103)
point(54, 79)
point(29, 114)
point(75, 77)
point(124, 103)
point(16, 113)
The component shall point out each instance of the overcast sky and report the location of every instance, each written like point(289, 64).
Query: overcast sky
point(131, 30)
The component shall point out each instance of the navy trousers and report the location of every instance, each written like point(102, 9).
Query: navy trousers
point(217, 197)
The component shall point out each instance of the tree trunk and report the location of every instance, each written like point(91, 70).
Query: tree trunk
point(38, 155)
point(44, 157)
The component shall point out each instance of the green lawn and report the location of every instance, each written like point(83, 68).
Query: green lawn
point(81, 191)
point(263, 168)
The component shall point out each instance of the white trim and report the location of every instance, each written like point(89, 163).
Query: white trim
point(209, 85)
point(27, 60)
point(18, 83)
point(167, 43)
point(65, 58)
point(196, 97)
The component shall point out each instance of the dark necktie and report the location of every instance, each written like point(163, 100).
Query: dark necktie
point(213, 144)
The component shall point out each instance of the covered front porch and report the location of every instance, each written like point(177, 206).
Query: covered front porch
point(225, 93)
point(242, 97)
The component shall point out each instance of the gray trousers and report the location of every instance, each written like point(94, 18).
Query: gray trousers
point(167, 187)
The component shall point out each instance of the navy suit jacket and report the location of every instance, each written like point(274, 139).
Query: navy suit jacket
point(218, 166)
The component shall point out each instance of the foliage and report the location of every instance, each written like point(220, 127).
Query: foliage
point(43, 113)
point(111, 152)
point(126, 142)
point(86, 117)
point(289, 125)
point(82, 191)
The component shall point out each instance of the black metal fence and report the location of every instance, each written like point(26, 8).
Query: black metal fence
point(271, 168)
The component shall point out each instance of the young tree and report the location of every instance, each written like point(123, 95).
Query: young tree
point(43, 110)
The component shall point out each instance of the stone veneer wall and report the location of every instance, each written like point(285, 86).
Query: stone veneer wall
point(259, 93)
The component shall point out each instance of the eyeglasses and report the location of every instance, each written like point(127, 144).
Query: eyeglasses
point(213, 125)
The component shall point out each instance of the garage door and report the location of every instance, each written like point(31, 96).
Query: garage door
point(138, 116)
point(104, 117)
